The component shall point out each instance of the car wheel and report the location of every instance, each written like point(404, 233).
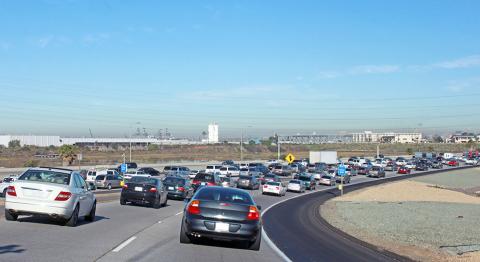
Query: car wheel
point(123, 201)
point(184, 238)
point(72, 222)
point(4, 193)
point(91, 215)
point(156, 203)
point(9, 216)
point(165, 202)
point(255, 245)
point(109, 187)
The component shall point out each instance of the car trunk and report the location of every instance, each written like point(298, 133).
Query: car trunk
point(39, 191)
point(224, 211)
point(138, 187)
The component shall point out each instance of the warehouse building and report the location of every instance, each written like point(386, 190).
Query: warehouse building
point(390, 137)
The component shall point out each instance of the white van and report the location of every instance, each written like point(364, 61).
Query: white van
point(213, 169)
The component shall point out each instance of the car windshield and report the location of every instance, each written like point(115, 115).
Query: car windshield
point(278, 167)
point(222, 195)
point(304, 178)
point(174, 180)
point(294, 182)
point(142, 180)
point(46, 177)
point(245, 177)
point(327, 177)
point(223, 169)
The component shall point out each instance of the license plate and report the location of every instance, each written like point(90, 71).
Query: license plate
point(170, 188)
point(137, 188)
point(222, 227)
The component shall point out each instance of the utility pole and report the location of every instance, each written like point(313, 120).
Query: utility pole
point(241, 146)
point(278, 147)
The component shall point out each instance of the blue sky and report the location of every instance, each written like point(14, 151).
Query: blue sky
point(257, 66)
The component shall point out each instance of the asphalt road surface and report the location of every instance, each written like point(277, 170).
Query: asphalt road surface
point(137, 233)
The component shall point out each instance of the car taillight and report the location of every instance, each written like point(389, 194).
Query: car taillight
point(11, 191)
point(265, 186)
point(196, 182)
point(253, 213)
point(153, 189)
point(181, 188)
point(63, 196)
point(194, 207)
point(277, 188)
point(210, 184)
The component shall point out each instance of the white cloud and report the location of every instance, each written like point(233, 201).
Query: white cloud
point(464, 62)
point(52, 40)
point(463, 85)
point(95, 38)
point(374, 69)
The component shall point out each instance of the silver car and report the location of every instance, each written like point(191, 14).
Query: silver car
point(327, 180)
point(296, 185)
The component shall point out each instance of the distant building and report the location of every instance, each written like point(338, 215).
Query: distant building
point(29, 140)
point(213, 133)
point(391, 137)
point(462, 138)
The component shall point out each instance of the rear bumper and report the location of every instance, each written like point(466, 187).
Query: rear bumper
point(269, 191)
point(140, 197)
point(176, 194)
point(48, 209)
point(237, 231)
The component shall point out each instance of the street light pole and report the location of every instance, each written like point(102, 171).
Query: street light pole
point(241, 146)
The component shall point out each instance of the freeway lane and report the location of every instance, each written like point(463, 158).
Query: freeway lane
point(150, 234)
point(297, 228)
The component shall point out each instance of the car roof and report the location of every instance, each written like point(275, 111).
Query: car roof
point(224, 189)
point(64, 170)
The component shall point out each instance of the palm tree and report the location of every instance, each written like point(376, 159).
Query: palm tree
point(68, 153)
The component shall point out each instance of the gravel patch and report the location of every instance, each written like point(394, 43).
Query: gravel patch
point(459, 179)
point(426, 224)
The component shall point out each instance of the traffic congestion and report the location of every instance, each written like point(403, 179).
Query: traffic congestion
point(219, 205)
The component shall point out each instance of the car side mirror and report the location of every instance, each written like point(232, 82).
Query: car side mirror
point(259, 207)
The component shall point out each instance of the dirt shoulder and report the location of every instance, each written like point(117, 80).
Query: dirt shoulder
point(415, 219)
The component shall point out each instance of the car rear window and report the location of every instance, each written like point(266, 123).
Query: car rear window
point(222, 195)
point(223, 169)
point(327, 177)
point(100, 177)
point(204, 177)
point(278, 167)
point(304, 178)
point(273, 183)
point(243, 169)
point(143, 180)
point(174, 180)
point(244, 177)
point(294, 182)
point(46, 177)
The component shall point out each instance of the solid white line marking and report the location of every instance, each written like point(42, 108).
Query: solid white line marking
point(179, 213)
point(124, 244)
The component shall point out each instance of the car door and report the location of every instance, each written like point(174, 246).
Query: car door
point(81, 191)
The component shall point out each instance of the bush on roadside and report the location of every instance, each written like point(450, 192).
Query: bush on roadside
point(31, 163)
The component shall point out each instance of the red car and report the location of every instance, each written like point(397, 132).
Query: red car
point(453, 162)
point(403, 170)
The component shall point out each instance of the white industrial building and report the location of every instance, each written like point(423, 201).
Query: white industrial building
point(213, 133)
point(29, 140)
point(390, 137)
point(462, 138)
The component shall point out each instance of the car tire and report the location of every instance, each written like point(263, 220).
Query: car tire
point(156, 203)
point(123, 201)
point(255, 245)
point(73, 220)
point(4, 194)
point(165, 202)
point(9, 216)
point(109, 187)
point(184, 238)
point(91, 216)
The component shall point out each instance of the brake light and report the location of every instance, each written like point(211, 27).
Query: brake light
point(277, 188)
point(210, 184)
point(181, 188)
point(194, 207)
point(196, 182)
point(153, 189)
point(265, 186)
point(63, 196)
point(253, 213)
point(11, 191)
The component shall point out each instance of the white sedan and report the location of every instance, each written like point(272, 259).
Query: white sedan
point(58, 193)
point(296, 185)
point(275, 188)
point(471, 161)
